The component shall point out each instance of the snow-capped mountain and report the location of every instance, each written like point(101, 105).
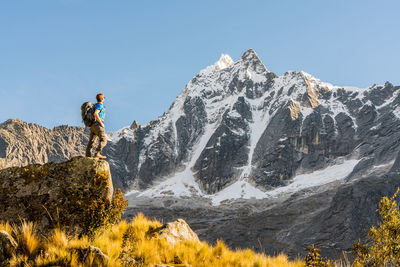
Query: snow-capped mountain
point(240, 131)
point(305, 162)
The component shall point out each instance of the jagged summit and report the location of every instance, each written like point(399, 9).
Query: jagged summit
point(13, 121)
point(252, 57)
point(224, 62)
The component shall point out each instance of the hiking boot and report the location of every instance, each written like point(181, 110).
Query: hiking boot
point(100, 156)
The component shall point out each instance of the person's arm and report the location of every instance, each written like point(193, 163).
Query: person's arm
point(97, 117)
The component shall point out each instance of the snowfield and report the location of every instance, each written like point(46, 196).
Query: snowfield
point(183, 185)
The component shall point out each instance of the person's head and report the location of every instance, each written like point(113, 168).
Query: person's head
point(100, 98)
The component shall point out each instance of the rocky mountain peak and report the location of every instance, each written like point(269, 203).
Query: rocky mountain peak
point(135, 125)
point(252, 60)
point(12, 123)
point(250, 55)
point(224, 62)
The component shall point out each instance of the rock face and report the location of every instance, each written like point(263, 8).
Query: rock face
point(54, 193)
point(175, 232)
point(22, 143)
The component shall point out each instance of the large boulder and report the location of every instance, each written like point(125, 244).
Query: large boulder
point(175, 232)
point(92, 256)
point(64, 194)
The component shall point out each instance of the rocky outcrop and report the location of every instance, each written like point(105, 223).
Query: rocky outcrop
point(175, 232)
point(53, 194)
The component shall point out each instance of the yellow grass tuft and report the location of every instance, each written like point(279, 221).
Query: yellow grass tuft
point(6, 227)
point(25, 236)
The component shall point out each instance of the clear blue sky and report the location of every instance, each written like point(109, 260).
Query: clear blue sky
point(56, 54)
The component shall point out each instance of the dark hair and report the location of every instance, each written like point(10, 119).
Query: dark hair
point(99, 97)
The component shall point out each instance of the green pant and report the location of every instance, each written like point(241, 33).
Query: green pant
point(96, 131)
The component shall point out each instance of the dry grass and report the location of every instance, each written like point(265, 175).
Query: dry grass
point(127, 244)
point(25, 236)
point(5, 227)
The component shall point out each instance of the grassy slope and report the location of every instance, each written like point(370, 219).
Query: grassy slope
point(126, 243)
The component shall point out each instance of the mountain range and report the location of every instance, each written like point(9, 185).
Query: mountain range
point(295, 159)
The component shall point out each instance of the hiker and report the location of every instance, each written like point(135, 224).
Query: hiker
point(97, 128)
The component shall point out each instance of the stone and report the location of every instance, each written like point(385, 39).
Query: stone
point(8, 247)
point(175, 232)
point(92, 255)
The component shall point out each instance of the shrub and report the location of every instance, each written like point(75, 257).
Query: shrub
point(102, 214)
point(384, 248)
point(314, 259)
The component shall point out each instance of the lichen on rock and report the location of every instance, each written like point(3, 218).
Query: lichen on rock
point(55, 195)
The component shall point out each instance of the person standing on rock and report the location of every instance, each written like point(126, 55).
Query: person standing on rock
point(97, 128)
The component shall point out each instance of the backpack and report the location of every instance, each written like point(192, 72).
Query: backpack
point(87, 114)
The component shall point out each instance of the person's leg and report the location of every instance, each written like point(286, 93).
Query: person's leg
point(92, 139)
point(101, 133)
